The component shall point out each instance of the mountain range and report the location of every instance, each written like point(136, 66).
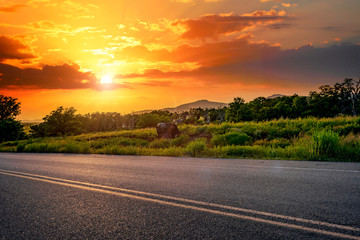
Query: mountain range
point(187, 106)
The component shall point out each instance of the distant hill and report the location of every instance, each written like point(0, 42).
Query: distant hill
point(197, 104)
point(188, 106)
point(275, 96)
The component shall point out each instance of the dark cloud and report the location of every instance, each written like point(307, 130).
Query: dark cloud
point(276, 26)
point(212, 26)
point(12, 8)
point(49, 77)
point(338, 29)
point(333, 28)
point(241, 58)
point(13, 49)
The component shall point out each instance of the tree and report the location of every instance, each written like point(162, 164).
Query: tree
point(9, 107)
point(60, 122)
point(10, 129)
point(151, 120)
point(232, 113)
point(349, 92)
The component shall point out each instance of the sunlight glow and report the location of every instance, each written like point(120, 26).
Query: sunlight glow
point(106, 80)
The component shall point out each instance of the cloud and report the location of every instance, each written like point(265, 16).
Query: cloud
point(277, 26)
point(53, 28)
point(192, 1)
point(248, 62)
point(11, 48)
point(271, 0)
point(183, 1)
point(12, 8)
point(48, 77)
point(209, 54)
point(213, 25)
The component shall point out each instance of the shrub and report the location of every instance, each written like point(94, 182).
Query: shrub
point(351, 128)
point(36, 147)
point(200, 129)
point(218, 140)
point(245, 151)
point(146, 134)
point(119, 150)
point(20, 147)
point(73, 147)
point(196, 147)
point(182, 140)
point(160, 143)
point(350, 148)
point(231, 138)
point(235, 138)
point(280, 142)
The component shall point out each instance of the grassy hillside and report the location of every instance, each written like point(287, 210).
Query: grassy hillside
point(335, 139)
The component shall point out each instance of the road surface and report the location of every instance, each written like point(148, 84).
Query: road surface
point(65, 196)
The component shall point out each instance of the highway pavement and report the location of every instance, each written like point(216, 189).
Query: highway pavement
point(67, 196)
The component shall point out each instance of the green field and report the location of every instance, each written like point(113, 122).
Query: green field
point(328, 139)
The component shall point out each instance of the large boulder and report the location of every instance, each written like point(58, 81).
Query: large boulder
point(167, 130)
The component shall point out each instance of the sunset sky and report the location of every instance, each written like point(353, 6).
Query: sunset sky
point(130, 55)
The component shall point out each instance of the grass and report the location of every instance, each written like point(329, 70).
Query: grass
point(335, 139)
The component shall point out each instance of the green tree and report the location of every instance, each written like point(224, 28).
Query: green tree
point(60, 122)
point(234, 110)
point(9, 107)
point(10, 129)
point(151, 120)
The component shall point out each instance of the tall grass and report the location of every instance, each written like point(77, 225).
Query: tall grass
point(325, 144)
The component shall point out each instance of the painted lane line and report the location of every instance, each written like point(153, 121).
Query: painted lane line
point(244, 217)
point(206, 204)
point(309, 169)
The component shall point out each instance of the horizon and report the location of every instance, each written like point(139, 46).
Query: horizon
point(120, 57)
point(148, 110)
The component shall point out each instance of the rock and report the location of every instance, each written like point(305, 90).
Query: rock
point(167, 130)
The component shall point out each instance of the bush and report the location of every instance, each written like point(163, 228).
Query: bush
point(218, 140)
point(351, 128)
point(325, 145)
point(160, 143)
point(146, 134)
point(196, 147)
point(182, 140)
point(350, 148)
point(235, 138)
point(20, 147)
point(232, 138)
point(280, 142)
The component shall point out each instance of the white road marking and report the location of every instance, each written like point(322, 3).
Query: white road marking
point(95, 188)
point(309, 169)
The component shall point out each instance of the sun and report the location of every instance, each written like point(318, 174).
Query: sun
point(106, 79)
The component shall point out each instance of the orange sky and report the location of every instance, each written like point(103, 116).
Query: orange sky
point(162, 53)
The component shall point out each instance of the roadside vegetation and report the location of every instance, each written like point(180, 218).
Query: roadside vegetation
point(327, 139)
point(322, 126)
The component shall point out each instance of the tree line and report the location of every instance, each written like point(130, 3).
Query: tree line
point(330, 101)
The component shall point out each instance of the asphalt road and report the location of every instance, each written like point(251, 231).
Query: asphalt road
point(65, 196)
